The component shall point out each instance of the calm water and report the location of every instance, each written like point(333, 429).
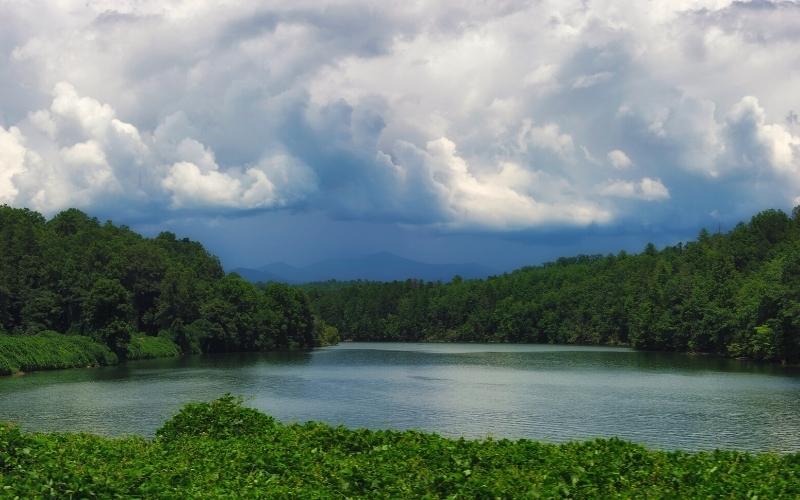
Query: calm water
point(548, 393)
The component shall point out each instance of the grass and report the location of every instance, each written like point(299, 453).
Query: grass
point(222, 450)
point(49, 351)
point(52, 351)
point(146, 347)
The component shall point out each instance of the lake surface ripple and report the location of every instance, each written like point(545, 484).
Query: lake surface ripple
point(542, 392)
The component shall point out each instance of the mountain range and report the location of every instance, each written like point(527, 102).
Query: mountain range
point(383, 266)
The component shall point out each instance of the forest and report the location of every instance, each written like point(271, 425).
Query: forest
point(137, 296)
point(734, 294)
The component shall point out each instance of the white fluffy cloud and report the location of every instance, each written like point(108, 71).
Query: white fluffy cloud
point(755, 143)
point(645, 189)
point(546, 137)
point(77, 153)
point(205, 187)
point(501, 200)
point(462, 114)
point(12, 161)
point(619, 159)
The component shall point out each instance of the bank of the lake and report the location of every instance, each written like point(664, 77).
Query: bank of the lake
point(221, 449)
point(53, 351)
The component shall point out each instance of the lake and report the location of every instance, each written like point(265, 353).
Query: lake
point(542, 392)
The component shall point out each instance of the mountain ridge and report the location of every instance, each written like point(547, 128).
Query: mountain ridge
point(380, 266)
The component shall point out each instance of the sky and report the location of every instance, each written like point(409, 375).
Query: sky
point(504, 132)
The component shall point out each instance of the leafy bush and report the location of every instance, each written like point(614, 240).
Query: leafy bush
point(222, 418)
point(116, 335)
point(325, 334)
point(50, 350)
point(147, 347)
point(222, 450)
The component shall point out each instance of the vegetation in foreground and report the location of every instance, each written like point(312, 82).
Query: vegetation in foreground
point(734, 294)
point(221, 449)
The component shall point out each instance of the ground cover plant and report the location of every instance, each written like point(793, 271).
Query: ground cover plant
point(222, 449)
point(50, 350)
point(147, 347)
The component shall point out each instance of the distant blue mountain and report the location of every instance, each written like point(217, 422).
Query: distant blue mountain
point(382, 266)
point(256, 275)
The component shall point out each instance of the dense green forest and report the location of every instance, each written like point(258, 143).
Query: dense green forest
point(223, 450)
point(73, 275)
point(735, 294)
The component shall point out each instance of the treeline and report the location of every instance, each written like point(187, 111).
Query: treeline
point(74, 275)
point(735, 294)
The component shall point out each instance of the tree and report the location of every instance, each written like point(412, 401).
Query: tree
point(116, 335)
point(295, 321)
point(141, 268)
point(41, 311)
point(178, 298)
point(108, 302)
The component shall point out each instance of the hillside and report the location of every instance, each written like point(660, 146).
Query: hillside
point(74, 275)
point(735, 294)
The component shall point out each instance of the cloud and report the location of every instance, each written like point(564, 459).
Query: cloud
point(206, 187)
point(77, 153)
point(500, 200)
point(619, 159)
point(190, 187)
point(646, 189)
point(586, 81)
point(465, 115)
point(759, 21)
point(547, 137)
point(12, 160)
point(754, 143)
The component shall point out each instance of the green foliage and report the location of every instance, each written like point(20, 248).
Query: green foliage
point(222, 450)
point(147, 347)
point(116, 335)
point(295, 326)
point(734, 294)
point(236, 317)
point(49, 350)
point(223, 418)
point(325, 334)
point(108, 302)
point(73, 274)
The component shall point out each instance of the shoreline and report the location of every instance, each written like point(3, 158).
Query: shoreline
point(21, 373)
